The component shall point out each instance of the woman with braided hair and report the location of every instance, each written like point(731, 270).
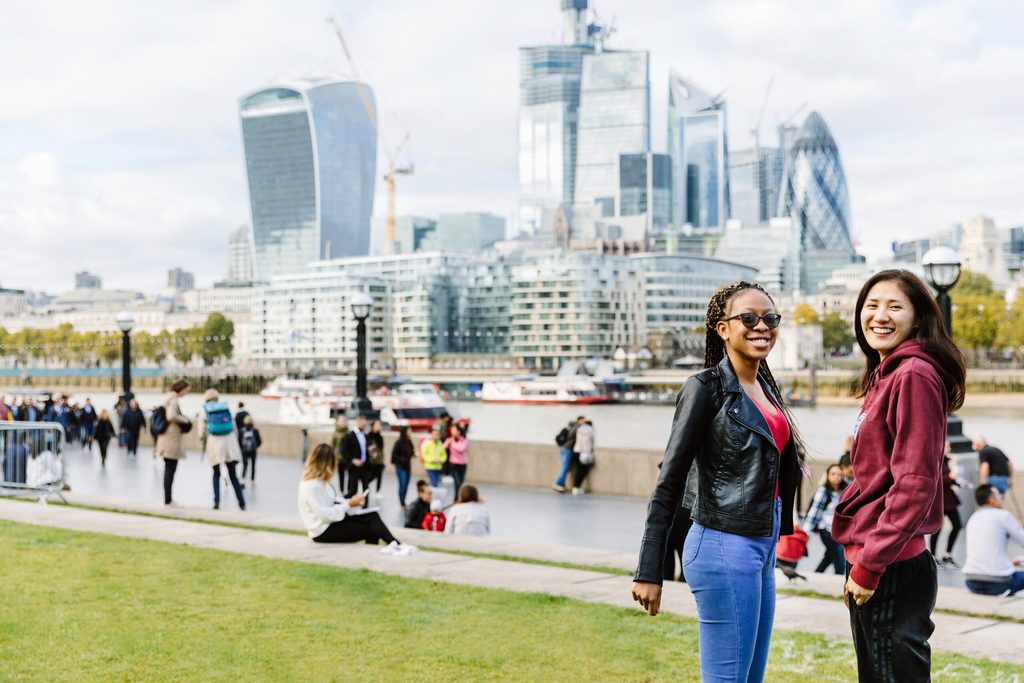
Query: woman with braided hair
point(731, 426)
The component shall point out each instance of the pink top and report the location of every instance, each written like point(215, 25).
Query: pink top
point(779, 427)
point(458, 450)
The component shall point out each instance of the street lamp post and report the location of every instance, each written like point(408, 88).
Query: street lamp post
point(126, 322)
point(362, 304)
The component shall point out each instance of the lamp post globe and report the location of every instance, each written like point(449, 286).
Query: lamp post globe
point(361, 305)
point(126, 321)
point(942, 270)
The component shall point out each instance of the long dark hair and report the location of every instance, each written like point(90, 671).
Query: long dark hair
point(714, 347)
point(929, 331)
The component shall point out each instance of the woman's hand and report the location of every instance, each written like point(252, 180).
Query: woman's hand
point(648, 595)
point(357, 500)
point(859, 594)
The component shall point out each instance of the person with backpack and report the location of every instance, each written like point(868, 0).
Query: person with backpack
point(168, 426)
point(249, 440)
point(220, 444)
point(566, 440)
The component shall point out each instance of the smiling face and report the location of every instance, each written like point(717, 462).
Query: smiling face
point(887, 318)
point(756, 343)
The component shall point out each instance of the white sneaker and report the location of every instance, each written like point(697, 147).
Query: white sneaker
point(391, 549)
point(406, 550)
point(575, 491)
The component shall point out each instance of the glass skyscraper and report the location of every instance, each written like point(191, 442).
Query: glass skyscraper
point(311, 160)
point(815, 196)
point(699, 151)
point(645, 188)
point(614, 119)
point(753, 184)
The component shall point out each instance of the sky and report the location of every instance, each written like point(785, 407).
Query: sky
point(121, 149)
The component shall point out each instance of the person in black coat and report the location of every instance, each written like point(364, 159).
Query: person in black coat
point(103, 433)
point(420, 507)
point(240, 417)
point(355, 453)
point(402, 454)
point(28, 412)
point(375, 463)
point(133, 422)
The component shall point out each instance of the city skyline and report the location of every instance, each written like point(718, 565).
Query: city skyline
point(129, 167)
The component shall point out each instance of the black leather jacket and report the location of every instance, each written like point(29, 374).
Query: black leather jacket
point(717, 425)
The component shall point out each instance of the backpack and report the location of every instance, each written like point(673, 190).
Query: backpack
point(218, 418)
point(563, 437)
point(249, 439)
point(158, 421)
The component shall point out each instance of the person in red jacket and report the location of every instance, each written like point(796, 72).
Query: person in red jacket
point(435, 519)
point(914, 375)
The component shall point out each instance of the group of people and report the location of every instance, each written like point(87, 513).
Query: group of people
point(735, 460)
point(575, 444)
point(468, 516)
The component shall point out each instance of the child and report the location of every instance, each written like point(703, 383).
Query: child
point(435, 519)
point(249, 440)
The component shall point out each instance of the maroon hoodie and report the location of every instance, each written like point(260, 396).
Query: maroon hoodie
point(898, 441)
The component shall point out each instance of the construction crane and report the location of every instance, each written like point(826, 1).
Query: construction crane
point(757, 126)
point(393, 171)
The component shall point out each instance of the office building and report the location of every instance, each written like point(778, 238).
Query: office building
point(773, 248)
point(614, 119)
point(699, 150)
point(86, 280)
point(410, 233)
point(12, 302)
point(753, 184)
point(645, 189)
point(311, 160)
point(816, 198)
point(981, 251)
point(240, 256)
point(470, 231)
point(179, 280)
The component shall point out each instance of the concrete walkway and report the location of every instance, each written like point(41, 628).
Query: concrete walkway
point(967, 635)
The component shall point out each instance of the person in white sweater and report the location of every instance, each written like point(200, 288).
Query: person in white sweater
point(331, 519)
point(469, 515)
point(988, 568)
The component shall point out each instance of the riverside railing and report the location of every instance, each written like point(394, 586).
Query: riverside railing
point(32, 459)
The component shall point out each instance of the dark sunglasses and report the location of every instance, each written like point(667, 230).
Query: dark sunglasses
point(749, 320)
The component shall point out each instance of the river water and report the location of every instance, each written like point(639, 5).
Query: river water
point(633, 426)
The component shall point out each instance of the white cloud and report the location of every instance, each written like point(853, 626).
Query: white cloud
point(123, 152)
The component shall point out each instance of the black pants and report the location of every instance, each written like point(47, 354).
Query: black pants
point(235, 484)
point(579, 471)
point(103, 443)
point(954, 517)
point(249, 460)
point(833, 554)
point(170, 467)
point(681, 524)
point(133, 442)
point(891, 630)
point(369, 527)
point(459, 475)
point(356, 476)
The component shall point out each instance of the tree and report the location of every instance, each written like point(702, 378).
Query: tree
point(972, 283)
point(215, 338)
point(836, 335)
point(109, 349)
point(976, 321)
point(1011, 327)
point(182, 346)
point(804, 314)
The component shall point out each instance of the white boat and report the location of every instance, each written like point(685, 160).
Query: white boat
point(543, 391)
point(286, 387)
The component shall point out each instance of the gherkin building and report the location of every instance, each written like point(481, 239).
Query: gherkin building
point(814, 194)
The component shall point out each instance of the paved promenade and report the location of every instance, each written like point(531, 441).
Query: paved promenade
point(975, 636)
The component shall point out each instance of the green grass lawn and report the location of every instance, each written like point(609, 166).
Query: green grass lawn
point(82, 606)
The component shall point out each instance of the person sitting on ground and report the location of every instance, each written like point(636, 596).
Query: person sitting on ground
point(988, 568)
point(435, 519)
point(420, 507)
point(469, 516)
point(331, 519)
point(993, 466)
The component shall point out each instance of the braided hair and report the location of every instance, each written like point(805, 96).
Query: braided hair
point(714, 349)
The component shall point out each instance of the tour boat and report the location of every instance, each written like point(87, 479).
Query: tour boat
point(543, 391)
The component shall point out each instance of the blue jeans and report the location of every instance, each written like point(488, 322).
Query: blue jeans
point(566, 454)
point(435, 477)
point(733, 581)
point(1014, 584)
point(403, 483)
point(999, 482)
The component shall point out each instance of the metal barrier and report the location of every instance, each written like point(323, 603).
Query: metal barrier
point(32, 459)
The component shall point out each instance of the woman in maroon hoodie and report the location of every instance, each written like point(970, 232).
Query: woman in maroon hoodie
point(914, 376)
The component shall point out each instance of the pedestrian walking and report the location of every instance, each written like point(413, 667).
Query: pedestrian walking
point(87, 423)
point(220, 444)
point(993, 466)
point(340, 431)
point(950, 508)
point(6, 412)
point(28, 411)
point(565, 440)
point(170, 425)
point(330, 519)
point(469, 515)
point(730, 421)
point(434, 456)
point(120, 408)
point(402, 453)
point(913, 377)
point(132, 423)
point(354, 454)
point(249, 440)
point(375, 460)
point(457, 446)
point(240, 416)
point(103, 432)
point(819, 518)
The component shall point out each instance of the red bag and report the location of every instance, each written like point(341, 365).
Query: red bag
point(791, 548)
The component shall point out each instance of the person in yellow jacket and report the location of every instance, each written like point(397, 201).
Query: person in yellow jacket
point(434, 456)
